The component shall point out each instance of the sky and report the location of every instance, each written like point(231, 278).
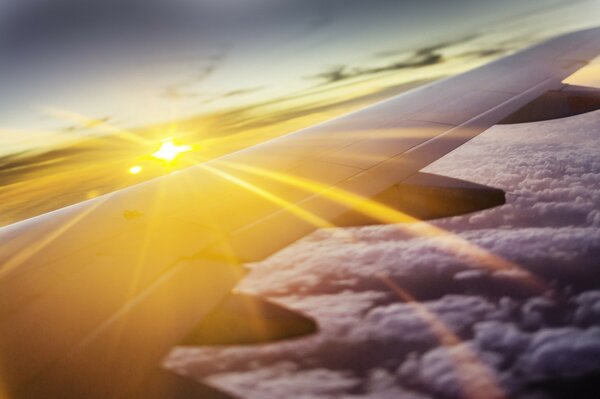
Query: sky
point(90, 88)
point(141, 61)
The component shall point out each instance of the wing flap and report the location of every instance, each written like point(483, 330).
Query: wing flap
point(554, 104)
point(425, 197)
point(242, 319)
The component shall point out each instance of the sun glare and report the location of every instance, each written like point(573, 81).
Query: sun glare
point(134, 170)
point(168, 151)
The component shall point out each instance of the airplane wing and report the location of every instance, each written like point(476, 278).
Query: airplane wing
point(94, 295)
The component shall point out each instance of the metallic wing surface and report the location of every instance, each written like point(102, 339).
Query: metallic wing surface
point(94, 295)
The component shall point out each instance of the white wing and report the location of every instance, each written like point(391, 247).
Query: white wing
point(94, 295)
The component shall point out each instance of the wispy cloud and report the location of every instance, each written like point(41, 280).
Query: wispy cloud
point(405, 60)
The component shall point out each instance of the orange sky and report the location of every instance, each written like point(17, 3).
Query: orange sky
point(88, 154)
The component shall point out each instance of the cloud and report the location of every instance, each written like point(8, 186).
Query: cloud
point(453, 372)
point(342, 72)
point(381, 347)
point(588, 310)
point(503, 338)
point(427, 267)
point(561, 353)
point(527, 358)
point(485, 53)
point(402, 325)
point(382, 384)
point(411, 59)
point(286, 380)
point(550, 182)
point(432, 48)
point(241, 92)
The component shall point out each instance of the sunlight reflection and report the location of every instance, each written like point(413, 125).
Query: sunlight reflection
point(385, 214)
point(291, 207)
point(44, 240)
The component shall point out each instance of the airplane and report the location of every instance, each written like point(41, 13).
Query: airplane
point(93, 296)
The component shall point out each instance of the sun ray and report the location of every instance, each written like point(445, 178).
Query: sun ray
point(149, 234)
point(386, 214)
point(284, 204)
point(32, 249)
point(94, 124)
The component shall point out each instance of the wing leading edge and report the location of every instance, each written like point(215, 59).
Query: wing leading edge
point(94, 295)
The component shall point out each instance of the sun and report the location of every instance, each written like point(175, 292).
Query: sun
point(168, 151)
point(134, 170)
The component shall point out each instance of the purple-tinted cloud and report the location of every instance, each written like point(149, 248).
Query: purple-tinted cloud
point(373, 345)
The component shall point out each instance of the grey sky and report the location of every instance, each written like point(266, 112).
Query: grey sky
point(99, 57)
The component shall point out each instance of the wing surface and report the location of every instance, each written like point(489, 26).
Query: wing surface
point(92, 296)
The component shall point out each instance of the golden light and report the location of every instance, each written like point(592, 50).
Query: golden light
point(389, 215)
point(134, 170)
point(289, 206)
point(168, 151)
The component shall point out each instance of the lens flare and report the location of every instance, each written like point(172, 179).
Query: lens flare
point(476, 379)
point(134, 170)
point(388, 215)
point(168, 151)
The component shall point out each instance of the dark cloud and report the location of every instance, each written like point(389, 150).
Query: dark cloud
point(241, 92)
point(484, 53)
point(588, 308)
point(421, 57)
point(446, 372)
point(561, 353)
point(417, 60)
point(258, 115)
point(434, 48)
point(335, 74)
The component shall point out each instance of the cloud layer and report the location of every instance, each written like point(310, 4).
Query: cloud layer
point(475, 327)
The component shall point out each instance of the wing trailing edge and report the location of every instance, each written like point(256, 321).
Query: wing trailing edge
point(242, 319)
point(568, 101)
point(157, 384)
point(426, 196)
